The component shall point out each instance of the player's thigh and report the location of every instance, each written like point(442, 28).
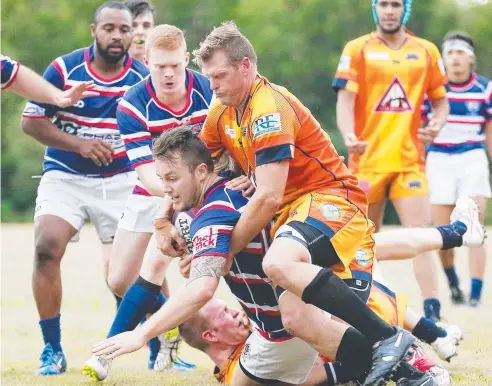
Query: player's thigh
point(155, 264)
point(482, 206)
point(442, 172)
point(285, 362)
point(376, 186)
point(375, 212)
point(409, 194)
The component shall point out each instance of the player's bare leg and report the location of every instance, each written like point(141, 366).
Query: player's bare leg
point(376, 213)
point(52, 235)
point(478, 257)
point(424, 265)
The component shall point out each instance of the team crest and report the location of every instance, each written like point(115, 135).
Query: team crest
point(394, 100)
point(473, 107)
point(331, 212)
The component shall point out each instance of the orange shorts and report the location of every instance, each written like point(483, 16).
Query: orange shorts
point(379, 186)
point(344, 224)
point(388, 305)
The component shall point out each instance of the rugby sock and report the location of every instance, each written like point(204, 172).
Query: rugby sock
point(432, 309)
point(138, 301)
point(427, 331)
point(476, 288)
point(452, 234)
point(118, 301)
point(353, 359)
point(52, 332)
point(154, 347)
point(330, 293)
point(452, 276)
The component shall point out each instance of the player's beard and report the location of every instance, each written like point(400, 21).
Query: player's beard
point(104, 52)
point(391, 31)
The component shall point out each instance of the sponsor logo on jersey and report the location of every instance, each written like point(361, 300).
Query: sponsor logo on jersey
point(331, 211)
point(378, 55)
point(394, 100)
point(412, 56)
point(230, 132)
point(204, 240)
point(266, 124)
point(416, 184)
point(361, 257)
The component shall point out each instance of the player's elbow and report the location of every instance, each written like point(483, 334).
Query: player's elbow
point(28, 126)
point(270, 200)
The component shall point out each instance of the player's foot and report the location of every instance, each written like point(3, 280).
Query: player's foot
point(467, 213)
point(387, 355)
point(51, 363)
point(421, 361)
point(96, 368)
point(457, 296)
point(446, 346)
point(474, 303)
point(424, 379)
point(168, 358)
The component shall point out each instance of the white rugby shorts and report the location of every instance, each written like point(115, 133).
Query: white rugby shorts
point(288, 361)
point(139, 213)
point(78, 199)
point(453, 175)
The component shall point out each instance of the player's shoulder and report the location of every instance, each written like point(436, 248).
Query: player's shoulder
point(483, 81)
point(138, 94)
point(72, 59)
point(357, 44)
point(270, 98)
point(427, 45)
point(139, 67)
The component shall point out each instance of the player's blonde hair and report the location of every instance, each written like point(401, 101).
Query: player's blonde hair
point(229, 39)
point(191, 331)
point(165, 37)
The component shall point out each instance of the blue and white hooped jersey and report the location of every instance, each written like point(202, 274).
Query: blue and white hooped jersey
point(9, 71)
point(89, 118)
point(470, 108)
point(211, 231)
point(142, 117)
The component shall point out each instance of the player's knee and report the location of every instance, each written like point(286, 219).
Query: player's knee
point(48, 250)
point(274, 270)
point(292, 319)
point(118, 284)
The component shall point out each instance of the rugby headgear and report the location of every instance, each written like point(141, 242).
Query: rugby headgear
point(407, 6)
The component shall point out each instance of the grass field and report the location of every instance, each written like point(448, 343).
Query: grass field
point(88, 309)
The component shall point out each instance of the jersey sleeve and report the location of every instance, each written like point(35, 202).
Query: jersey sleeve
point(211, 230)
point(10, 68)
point(210, 132)
point(348, 70)
point(133, 129)
point(425, 110)
point(488, 102)
point(437, 85)
point(36, 110)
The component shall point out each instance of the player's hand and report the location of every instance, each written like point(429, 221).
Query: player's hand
point(168, 239)
point(97, 150)
point(241, 183)
point(429, 133)
point(354, 145)
point(120, 344)
point(73, 95)
point(185, 265)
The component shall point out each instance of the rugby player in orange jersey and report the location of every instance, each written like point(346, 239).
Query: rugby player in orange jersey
point(319, 211)
point(381, 81)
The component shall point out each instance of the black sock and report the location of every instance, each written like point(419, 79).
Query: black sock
point(427, 331)
point(353, 360)
point(118, 301)
point(406, 370)
point(329, 293)
point(154, 289)
point(452, 234)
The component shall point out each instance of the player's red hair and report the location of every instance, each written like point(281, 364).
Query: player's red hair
point(165, 37)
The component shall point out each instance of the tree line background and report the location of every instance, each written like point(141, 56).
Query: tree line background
point(298, 43)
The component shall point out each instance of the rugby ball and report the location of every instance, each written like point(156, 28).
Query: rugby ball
point(182, 222)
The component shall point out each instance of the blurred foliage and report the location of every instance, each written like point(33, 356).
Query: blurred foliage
point(298, 44)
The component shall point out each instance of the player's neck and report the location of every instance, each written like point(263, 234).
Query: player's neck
point(105, 69)
point(211, 179)
point(220, 354)
point(245, 97)
point(459, 77)
point(394, 40)
point(176, 101)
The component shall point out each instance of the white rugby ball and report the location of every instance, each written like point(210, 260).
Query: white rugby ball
point(182, 222)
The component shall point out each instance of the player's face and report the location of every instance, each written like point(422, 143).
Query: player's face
point(226, 324)
point(458, 61)
point(113, 34)
point(180, 181)
point(228, 81)
point(142, 24)
point(389, 14)
point(168, 69)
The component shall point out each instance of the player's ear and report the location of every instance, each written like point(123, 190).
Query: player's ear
point(187, 59)
point(209, 336)
point(202, 171)
point(93, 30)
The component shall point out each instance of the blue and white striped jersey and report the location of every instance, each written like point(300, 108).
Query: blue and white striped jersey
point(9, 71)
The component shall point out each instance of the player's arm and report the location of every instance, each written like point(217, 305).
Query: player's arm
point(488, 122)
point(346, 84)
point(440, 112)
point(36, 122)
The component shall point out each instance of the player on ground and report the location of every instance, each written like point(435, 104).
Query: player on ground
point(172, 96)
point(381, 80)
point(301, 183)
point(25, 82)
point(86, 173)
point(457, 162)
point(143, 22)
point(186, 167)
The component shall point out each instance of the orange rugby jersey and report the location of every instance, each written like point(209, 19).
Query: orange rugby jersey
point(390, 86)
point(225, 374)
point(276, 126)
